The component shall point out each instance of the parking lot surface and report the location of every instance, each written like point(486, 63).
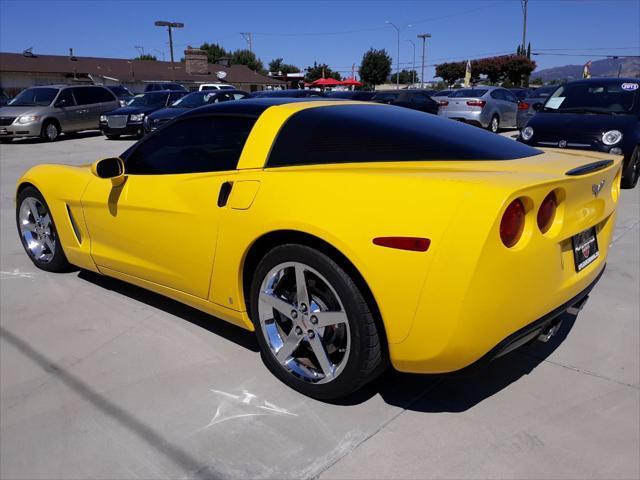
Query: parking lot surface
point(99, 379)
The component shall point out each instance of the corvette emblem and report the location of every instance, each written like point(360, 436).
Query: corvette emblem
point(586, 248)
point(562, 143)
point(596, 188)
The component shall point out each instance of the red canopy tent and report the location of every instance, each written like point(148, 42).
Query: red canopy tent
point(326, 82)
point(351, 82)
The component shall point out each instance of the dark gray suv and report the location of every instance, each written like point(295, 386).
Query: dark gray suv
point(48, 111)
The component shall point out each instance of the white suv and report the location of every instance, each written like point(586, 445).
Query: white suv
point(216, 86)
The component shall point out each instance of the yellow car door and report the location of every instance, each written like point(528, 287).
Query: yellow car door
point(161, 224)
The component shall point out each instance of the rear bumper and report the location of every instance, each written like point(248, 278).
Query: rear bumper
point(475, 117)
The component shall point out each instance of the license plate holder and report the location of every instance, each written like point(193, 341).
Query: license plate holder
point(585, 248)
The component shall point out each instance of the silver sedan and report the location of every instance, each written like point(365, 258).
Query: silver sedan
point(487, 107)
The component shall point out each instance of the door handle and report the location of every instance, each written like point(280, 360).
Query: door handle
point(223, 195)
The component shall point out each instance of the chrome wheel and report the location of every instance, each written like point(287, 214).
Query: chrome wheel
point(494, 124)
point(304, 322)
point(36, 230)
point(51, 131)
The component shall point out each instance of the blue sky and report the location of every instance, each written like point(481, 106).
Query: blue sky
point(335, 32)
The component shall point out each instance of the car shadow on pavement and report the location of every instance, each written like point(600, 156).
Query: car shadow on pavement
point(203, 320)
point(454, 392)
point(460, 391)
point(63, 137)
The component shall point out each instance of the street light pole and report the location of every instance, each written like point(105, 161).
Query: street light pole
point(398, 57)
point(413, 74)
point(424, 37)
point(170, 26)
point(524, 24)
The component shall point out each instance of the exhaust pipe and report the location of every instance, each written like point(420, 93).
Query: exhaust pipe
point(576, 307)
point(553, 326)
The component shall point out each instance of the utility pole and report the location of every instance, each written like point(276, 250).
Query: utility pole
point(524, 23)
point(247, 37)
point(140, 49)
point(413, 74)
point(170, 26)
point(398, 57)
point(424, 37)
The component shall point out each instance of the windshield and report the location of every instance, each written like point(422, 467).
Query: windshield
point(119, 90)
point(542, 92)
point(34, 96)
point(594, 97)
point(442, 93)
point(468, 92)
point(197, 99)
point(151, 99)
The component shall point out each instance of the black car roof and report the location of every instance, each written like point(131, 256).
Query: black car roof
point(606, 80)
point(248, 106)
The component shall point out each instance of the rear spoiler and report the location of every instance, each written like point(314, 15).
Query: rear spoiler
point(589, 168)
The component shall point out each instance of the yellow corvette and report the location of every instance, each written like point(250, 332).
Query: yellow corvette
point(348, 236)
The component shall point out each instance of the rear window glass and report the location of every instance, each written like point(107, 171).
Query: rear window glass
point(468, 92)
point(370, 133)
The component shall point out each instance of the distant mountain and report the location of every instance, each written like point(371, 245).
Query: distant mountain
point(607, 67)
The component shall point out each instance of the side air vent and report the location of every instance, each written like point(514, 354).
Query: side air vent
point(74, 225)
point(589, 168)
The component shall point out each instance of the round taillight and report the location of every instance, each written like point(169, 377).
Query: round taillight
point(547, 212)
point(512, 223)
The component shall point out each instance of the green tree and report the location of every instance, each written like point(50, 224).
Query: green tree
point(146, 56)
point(452, 71)
point(277, 65)
point(214, 52)
point(248, 58)
point(406, 77)
point(375, 66)
point(319, 70)
point(518, 68)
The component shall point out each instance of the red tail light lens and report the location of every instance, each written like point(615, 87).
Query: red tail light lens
point(476, 103)
point(547, 212)
point(512, 223)
point(415, 244)
point(523, 106)
point(443, 103)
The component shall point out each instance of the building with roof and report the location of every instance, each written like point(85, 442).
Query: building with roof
point(22, 70)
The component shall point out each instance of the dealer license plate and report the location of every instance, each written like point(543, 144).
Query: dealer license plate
point(585, 248)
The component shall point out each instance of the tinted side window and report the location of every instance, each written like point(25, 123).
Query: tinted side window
point(497, 94)
point(203, 144)
point(103, 95)
point(370, 133)
point(509, 96)
point(67, 97)
point(89, 95)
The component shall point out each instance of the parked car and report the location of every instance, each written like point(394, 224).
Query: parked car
point(153, 87)
point(215, 86)
point(291, 93)
point(129, 120)
point(521, 93)
point(122, 93)
point(363, 95)
point(396, 260)
point(601, 114)
point(192, 100)
point(441, 94)
point(528, 106)
point(46, 112)
point(486, 107)
point(414, 99)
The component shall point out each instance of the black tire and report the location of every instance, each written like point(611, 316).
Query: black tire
point(6, 140)
point(365, 355)
point(112, 137)
point(494, 124)
point(50, 131)
point(631, 169)
point(58, 263)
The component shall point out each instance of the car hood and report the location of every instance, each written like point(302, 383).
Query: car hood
point(131, 110)
point(169, 112)
point(7, 111)
point(569, 124)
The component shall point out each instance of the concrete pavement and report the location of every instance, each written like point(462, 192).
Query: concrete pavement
point(99, 379)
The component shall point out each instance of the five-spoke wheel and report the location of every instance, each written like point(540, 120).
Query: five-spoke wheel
point(38, 232)
point(314, 327)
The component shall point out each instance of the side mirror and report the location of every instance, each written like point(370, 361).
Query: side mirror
point(537, 106)
point(112, 167)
